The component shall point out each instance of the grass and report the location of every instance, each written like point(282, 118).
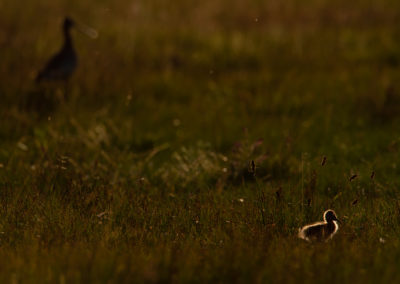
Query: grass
point(144, 174)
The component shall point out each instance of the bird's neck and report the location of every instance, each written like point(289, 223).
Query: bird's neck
point(331, 223)
point(67, 38)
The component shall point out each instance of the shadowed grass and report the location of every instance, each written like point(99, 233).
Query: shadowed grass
point(144, 174)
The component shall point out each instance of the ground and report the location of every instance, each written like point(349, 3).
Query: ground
point(143, 173)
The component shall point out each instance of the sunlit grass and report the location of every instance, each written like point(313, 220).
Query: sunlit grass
point(144, 174)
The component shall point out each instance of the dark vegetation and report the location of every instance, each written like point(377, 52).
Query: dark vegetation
point(145, 173)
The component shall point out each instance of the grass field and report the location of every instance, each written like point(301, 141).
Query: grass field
point(143, 175)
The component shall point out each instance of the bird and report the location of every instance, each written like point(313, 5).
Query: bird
point(321, 231)
point(64, 62)
point(61, 66)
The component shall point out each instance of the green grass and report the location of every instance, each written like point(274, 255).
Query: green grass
point(143, 174)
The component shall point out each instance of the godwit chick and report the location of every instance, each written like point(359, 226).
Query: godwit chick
point(63, 63)
point(321, 231)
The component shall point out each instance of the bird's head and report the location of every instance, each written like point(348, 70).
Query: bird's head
point(330, 215)
point(68, 23)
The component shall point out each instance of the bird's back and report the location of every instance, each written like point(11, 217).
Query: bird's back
point(60, 66)
point(318, 232)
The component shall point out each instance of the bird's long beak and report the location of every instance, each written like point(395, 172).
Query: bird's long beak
point(340, 222)
point(90, 32)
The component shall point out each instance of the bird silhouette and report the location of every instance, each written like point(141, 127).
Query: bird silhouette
point(321, 231)
point(63, 63)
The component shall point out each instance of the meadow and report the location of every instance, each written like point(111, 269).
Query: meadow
point(144, 174)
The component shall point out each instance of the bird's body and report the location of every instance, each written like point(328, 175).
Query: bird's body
point(62, 64)
point(321, 231)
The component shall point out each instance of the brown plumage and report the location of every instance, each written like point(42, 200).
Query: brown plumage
point(321, 231)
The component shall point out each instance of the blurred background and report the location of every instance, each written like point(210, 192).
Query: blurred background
point(145, 171)
point(317, 77)
point(213, 67)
